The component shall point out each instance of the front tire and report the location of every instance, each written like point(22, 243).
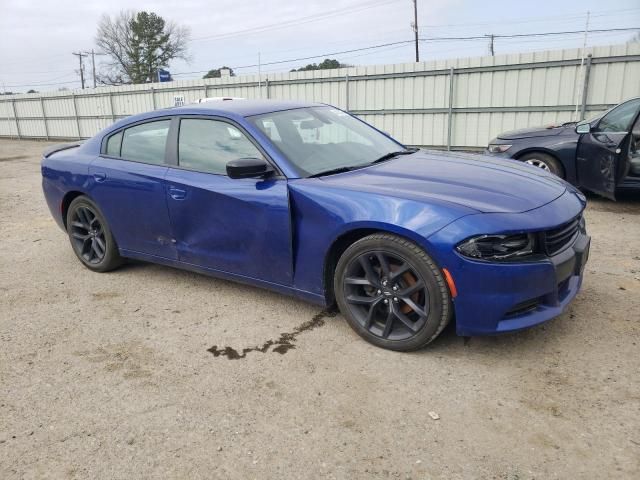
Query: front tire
point(391, 292)
point(91, 237)
point(543, 161)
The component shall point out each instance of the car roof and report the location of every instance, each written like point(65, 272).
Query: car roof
point(242, 107)
point(232, 108)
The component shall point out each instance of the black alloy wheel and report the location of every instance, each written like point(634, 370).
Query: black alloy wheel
point(90, 236)
point(391, 292)
point(87, 235)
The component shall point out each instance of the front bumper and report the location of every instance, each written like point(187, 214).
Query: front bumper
point(495, 297)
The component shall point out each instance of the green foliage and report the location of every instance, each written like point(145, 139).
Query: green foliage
point(326, 64)
point(215, 73)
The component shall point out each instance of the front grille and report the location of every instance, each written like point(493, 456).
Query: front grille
point(558, 238)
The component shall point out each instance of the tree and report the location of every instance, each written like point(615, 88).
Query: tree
point(138, 44)
point(326, 64)
point(32, 91)
point(635, 38)
point(216, 73)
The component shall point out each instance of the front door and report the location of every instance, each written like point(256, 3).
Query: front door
point(128, 185)
point(603, 153)
point(239, 226)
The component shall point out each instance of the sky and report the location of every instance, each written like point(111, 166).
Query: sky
point(37, 38)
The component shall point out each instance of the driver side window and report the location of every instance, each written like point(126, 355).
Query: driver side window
point(619, 119)
point(208, 145)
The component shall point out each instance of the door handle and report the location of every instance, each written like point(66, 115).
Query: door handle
point(100, 176)
point(177, 193)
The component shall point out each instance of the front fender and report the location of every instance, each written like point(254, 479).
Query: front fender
point(320, 215)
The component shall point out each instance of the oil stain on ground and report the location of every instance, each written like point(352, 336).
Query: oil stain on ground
point(282, 344)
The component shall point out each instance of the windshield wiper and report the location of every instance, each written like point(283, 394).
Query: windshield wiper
point(348, 169)
point(332, 171)
point(391, 155)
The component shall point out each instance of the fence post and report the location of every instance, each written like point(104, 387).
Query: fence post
point(15, 118)
point(153, 97)
point(346, 92)
point(113, 113)
point(585, 87)
point(266, 83)
point(44, 118)
point(75, 113)
point(450, 113)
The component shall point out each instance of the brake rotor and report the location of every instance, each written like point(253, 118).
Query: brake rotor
point(410, 281)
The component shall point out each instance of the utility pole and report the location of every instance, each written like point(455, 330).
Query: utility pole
point(93, 67)
point(491, 50)
point(584, 48)
point(415, 28)
point(259, 76)
point(80, 55)
point(93, 64)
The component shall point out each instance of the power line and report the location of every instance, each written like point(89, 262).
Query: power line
point(297, 21)
point(41, 84)
point(389, 44)
point(428, 39)
point(540, 34)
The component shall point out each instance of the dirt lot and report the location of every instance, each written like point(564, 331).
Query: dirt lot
point(113, 376)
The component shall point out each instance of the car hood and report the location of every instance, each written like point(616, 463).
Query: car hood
point(548, 131)
point(480, 182)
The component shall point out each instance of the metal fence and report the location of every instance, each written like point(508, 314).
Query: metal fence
point(459, 103)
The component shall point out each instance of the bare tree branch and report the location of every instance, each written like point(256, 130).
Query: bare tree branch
point(138, 44)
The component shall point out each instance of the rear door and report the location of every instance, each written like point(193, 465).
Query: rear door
point(128, 185)
point(603, 154)
point(240, 226)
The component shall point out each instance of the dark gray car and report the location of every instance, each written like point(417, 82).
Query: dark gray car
point(600, 155)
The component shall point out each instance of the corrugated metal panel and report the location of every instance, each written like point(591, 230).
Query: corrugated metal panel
point(409, 100)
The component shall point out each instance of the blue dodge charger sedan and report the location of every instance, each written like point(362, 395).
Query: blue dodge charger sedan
point(307, 200)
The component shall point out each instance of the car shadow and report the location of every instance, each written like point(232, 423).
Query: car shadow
point(513, 345)
point(448, 344)
point(627, 201)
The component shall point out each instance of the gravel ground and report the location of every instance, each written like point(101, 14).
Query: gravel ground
point(113, 375)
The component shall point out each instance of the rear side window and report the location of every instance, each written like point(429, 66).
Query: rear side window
point(145, 142)
point(113, 144)
point(207, 145)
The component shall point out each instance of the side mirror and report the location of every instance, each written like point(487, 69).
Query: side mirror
point(583, 127)
point(248, 168)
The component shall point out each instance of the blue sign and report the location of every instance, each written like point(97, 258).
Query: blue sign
point(164, 75)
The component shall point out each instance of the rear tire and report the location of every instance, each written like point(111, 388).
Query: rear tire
point(90, 236)
point(384, 278)
point(543, 161)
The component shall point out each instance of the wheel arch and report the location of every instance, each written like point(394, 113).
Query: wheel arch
point(66, 201)
point(347, 237)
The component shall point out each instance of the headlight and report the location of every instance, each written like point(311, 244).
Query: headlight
point(498, 148)
point(498, 247)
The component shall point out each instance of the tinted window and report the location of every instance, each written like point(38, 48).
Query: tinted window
point(207, 145)
point(619, 119)
point(113, 144)
point(146, 142)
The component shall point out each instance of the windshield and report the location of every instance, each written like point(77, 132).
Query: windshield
point(324, 139)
